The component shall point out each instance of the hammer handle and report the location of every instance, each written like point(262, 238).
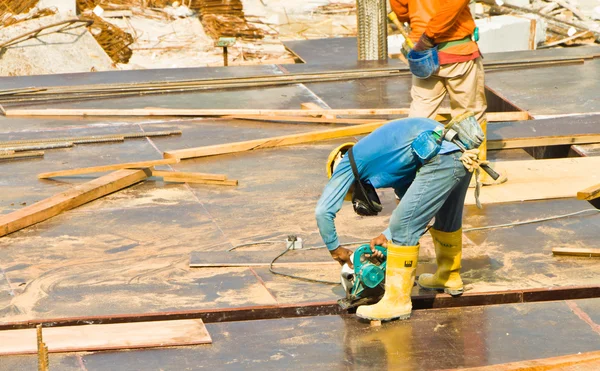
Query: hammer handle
point(394, 18)
point(491, 172)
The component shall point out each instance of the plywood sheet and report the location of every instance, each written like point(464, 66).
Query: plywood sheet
point(107, 337)
point(541, 179)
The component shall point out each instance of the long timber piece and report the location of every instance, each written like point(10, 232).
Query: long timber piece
point(107, 337)
point(103, 168)
point(188, 176)
point(576, 251)
point(280, 141)
point(492, 116)
point(200, 112)
point(579, 361)
point(76, 196)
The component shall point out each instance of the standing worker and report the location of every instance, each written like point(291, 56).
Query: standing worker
point(447, 26)
point(430, 176)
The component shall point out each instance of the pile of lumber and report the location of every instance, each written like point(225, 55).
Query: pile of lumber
point(225, 19)
point(566, 23)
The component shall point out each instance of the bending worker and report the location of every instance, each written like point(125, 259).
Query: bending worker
point(447, 26)
point(430, 176)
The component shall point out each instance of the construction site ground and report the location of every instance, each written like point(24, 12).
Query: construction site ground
point(129, 252)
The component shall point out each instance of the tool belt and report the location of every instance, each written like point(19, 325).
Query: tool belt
point(446, 44)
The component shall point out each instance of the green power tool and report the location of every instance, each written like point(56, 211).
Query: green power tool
point(365, 283)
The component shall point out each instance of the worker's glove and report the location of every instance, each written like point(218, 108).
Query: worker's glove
point(470, 159)
point(424, 43)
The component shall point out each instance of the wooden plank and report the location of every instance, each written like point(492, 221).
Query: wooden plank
point(133, 335)
point(552, 131)
point(184, 175)
point(319, 120)
point(540, 180)
point(200, 112)
point(589, 193)
point(313, 106)
point(11, 156)
point(207, 259)
point(76, 196)
point(576, 251)
point(230, 182)
point(284, 140)
point(103, 168)
point(492, 116)
point(587, 361)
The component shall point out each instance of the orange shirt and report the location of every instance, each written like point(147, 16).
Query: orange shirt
point(441, 20)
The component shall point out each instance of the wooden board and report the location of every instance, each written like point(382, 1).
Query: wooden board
point(206, 259)
point(547, 132)
point(107, 337)
point(200, 112)
point(587, 361)
point(540, 180)
point(573, 251)
point(188, 176)
point(318, 120)
point(230, 182)
point(589, 193)
point(284, 140)
point(103, 168)
point(76, 196)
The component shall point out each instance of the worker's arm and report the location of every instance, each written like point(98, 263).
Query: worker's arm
point(329, 205)
point(400, 7)
point(445, 18)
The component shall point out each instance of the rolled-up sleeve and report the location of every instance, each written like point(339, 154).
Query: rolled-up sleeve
point(331, 202)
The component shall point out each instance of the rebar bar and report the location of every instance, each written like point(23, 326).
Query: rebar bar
point(372, 30)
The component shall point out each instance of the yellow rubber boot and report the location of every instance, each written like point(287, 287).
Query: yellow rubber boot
point(399, 279)
point(448, 253)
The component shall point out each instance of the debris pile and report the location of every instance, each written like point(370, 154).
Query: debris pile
point(112, 39)
point(14, 11)
point(225, 19)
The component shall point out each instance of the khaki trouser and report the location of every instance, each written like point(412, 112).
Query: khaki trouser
point(464, 83)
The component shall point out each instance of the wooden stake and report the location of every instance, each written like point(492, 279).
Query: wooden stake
point(99, 169)
point(77, 196)
point(285, 140)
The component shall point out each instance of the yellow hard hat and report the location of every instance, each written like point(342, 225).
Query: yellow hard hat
point(333, 160)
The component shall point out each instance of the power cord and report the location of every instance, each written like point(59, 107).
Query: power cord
point(367, 241)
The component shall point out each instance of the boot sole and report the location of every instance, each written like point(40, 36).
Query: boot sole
point(401, 317)
point(449, 291)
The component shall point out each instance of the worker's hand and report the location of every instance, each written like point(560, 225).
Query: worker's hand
point(342, 256)
point(470, 159)
point(380, 240)
point(424, 43)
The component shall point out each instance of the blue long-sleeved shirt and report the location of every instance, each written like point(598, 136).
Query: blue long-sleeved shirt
point(384, 158)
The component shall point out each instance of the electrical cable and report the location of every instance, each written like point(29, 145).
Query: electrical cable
point(528, 221)
point(367, 241)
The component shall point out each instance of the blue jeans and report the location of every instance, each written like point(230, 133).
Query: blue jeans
point(438, 190)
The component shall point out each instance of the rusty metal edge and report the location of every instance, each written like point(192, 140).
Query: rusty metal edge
point(420, 302)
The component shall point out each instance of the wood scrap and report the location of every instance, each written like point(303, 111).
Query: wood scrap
point(76, 196)
point(229, 182)
point(133, 335)
point(103, 168)
point(318, 120)
point(21, 155)
point(576, 251)
point(284, 140)
point(184, 175)
point(589, 193)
